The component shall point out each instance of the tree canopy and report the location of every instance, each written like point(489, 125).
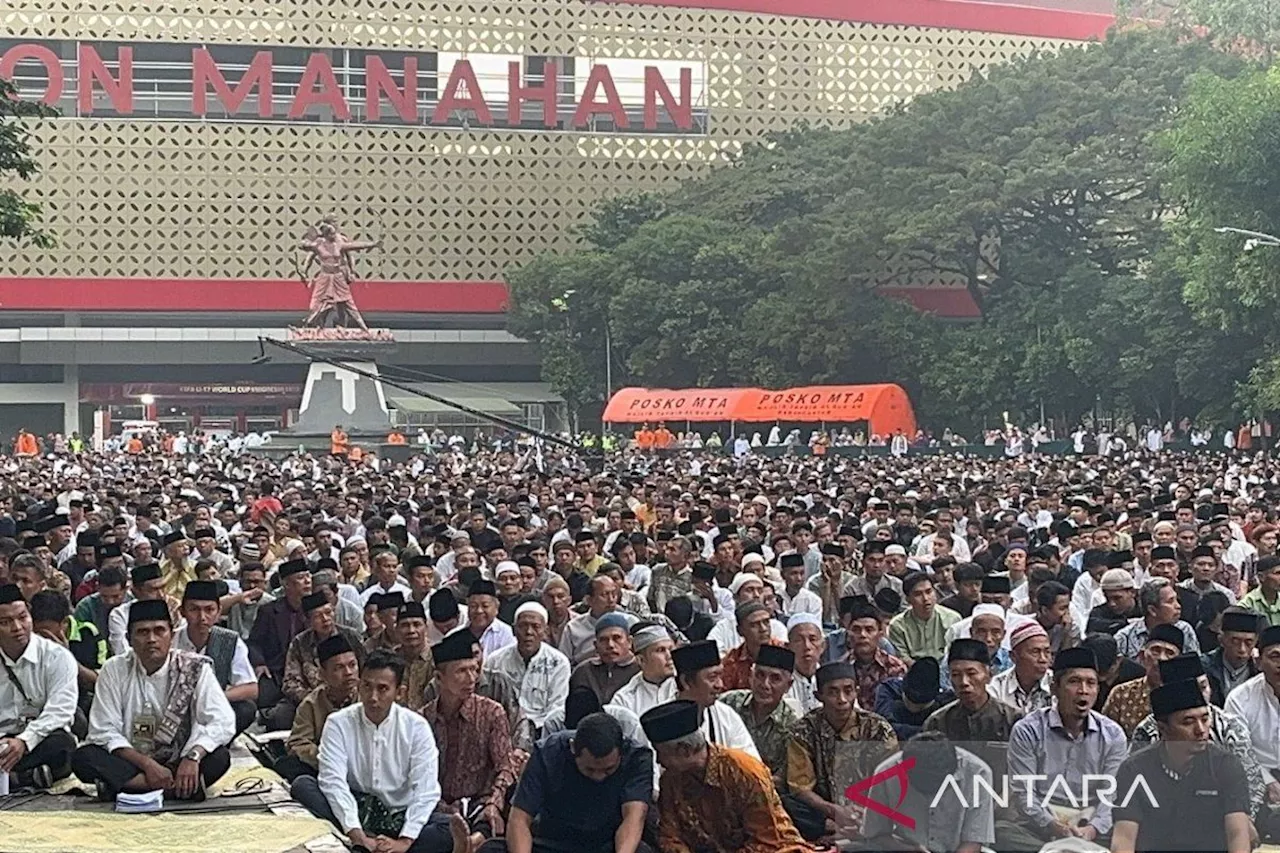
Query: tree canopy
point(1042, 187)
point(18, 218)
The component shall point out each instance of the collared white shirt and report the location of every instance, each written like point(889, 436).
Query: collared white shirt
point(497, 636)
point(241, 669)
point(959, 547)
point(724, 602)
point(639, 694)
point(805, 601)
point(727, 638)
point(47, 673)
point(722, 725)
point(395, 761)
point(124, 690)
point(804, 691)
point(543, 680)
point(1005, 688)
point(118, 627)
point(435, 635)
point(1256, 705)
point(376, 588)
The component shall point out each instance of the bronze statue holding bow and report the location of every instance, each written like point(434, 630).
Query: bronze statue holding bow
point(331, 285)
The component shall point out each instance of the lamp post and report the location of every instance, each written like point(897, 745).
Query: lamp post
point(1254, 238)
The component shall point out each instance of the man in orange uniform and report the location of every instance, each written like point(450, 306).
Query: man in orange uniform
point(26, 444)
point(713, 799)
point(644, 438)
point(338, 442)
point(663, 438)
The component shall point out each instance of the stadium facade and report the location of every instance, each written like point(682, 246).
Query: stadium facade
point(196, 143)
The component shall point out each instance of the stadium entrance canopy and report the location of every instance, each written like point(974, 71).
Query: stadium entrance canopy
point(885, 408)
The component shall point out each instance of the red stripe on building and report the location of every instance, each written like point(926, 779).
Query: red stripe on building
point(185, 294)
point(1055, 23)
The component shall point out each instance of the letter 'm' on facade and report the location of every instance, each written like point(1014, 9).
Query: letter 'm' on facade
point(451, 97)
point(378, 82)
point(518, 94)
point(655, 89)
point(119, 90)
point(319, 72)
point(600, 78)
point(206, 73)
point(36, 53)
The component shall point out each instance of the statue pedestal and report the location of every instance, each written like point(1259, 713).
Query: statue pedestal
point(335, 395)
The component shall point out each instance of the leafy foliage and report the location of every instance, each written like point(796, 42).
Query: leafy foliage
point(769, 271)
point(18, 217)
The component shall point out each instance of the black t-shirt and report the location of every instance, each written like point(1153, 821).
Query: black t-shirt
point(1189, 812)
point(571, 809)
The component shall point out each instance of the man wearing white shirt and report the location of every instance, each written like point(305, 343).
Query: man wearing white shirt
point(746, 589)
point(482, 618)
point(700, 678)
point(379, 753)
point(794, 597)
point(230, 655)
point(708, 596)
point(1094, 564)
point(159, 721)
point(539, 671)
point(386, 578)
point(38, 694)
point(1255, 703)
point(943, 522)
point(148, 585)
point(655, 683)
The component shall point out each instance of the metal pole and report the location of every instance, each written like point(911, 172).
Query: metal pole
point(608, 375)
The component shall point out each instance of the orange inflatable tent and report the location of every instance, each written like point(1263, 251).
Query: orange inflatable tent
point(886, 408)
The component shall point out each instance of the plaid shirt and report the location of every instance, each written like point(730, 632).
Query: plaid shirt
point(870, 674)
point(666, 583)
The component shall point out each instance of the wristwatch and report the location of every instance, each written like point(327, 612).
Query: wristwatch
point(194, 754)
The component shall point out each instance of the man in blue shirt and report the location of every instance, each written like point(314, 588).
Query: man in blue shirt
point(583, 790)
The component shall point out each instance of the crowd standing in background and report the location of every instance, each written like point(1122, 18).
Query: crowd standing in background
point(682, 650)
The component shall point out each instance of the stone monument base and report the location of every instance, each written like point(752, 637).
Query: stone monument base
point(337, 395)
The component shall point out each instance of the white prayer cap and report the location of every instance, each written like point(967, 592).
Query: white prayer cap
point(752, 557)
point(988, 610)
point(742, 580)
point(505, 566)
point(530, 607)
point(803, 619)
point(647, 636)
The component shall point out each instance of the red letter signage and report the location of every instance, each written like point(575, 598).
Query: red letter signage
point(118, 90)
point(451, 98)
point(612, 106)
point(205, 73)
point(319, 70)
point(47, 58)
point(517, 94)
point(378, 82)
point(655, 87)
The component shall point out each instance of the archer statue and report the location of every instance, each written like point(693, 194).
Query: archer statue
point(331, 286)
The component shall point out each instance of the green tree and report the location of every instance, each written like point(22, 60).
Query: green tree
point(1223, 156)
point(1036, 186)
point(18, 218)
